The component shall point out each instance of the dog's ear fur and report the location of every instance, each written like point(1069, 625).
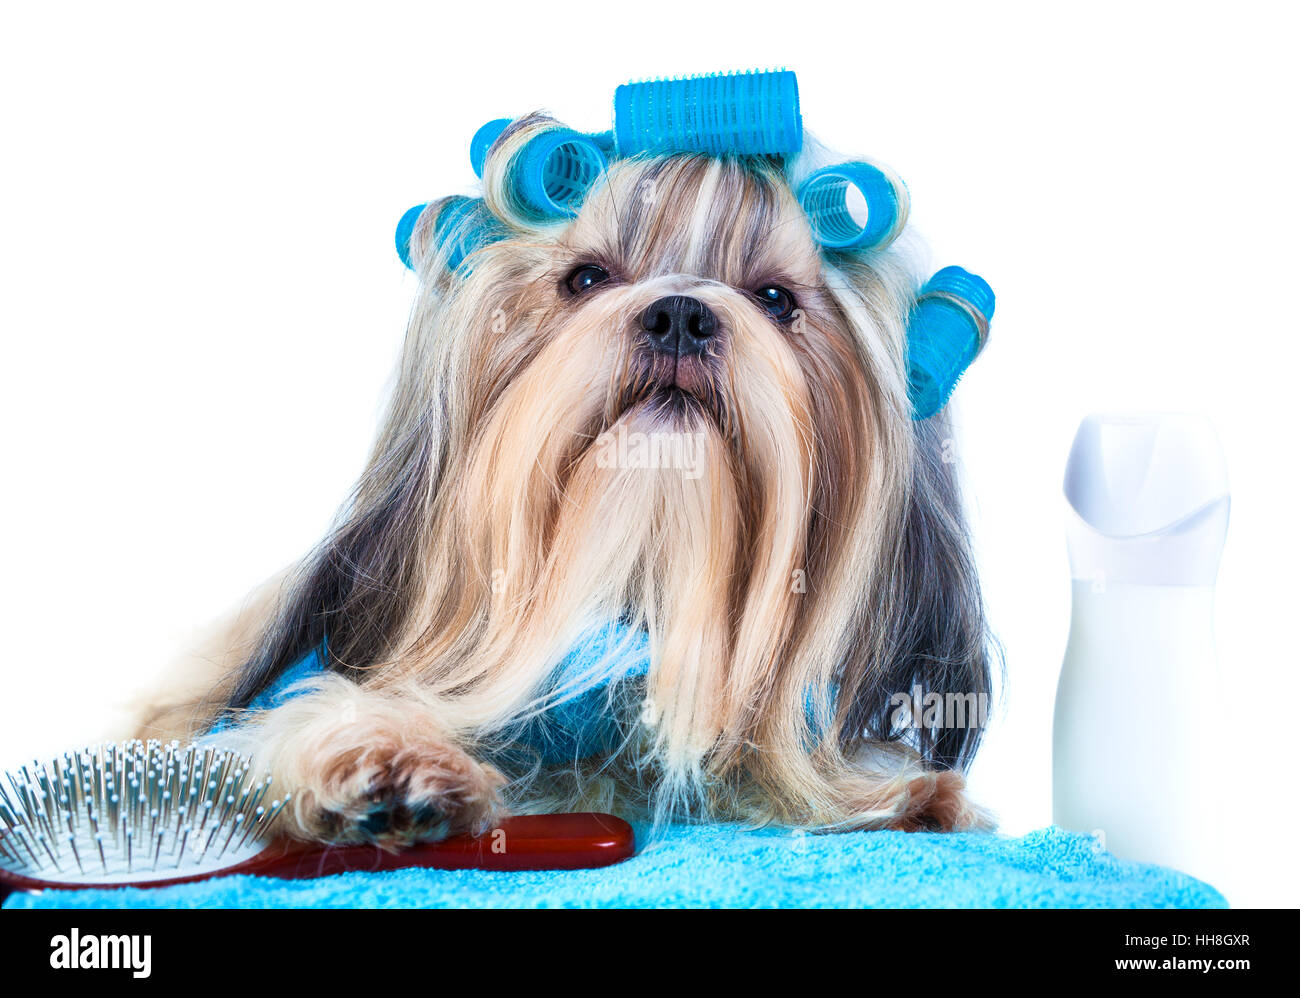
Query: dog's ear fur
point(938, 639)
point(350, 597)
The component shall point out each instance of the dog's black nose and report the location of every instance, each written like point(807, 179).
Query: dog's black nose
point(678, 324)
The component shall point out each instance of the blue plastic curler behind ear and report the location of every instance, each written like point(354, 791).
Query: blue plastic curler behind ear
point(482, 141)
point(463, 226)
point(744, 114)
point(947, 329)
point(854, 206)
point(405, 227)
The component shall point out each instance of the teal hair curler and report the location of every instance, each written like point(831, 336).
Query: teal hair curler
point(462, 227)
point(549, 177)
point(743, 114)
point(405, 227)
point(719, 114)
point(552, 172)
point(881, 212)
point(947, 329)
point(482, 142)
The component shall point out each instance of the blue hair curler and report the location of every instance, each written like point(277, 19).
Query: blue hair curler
point(744, 114)
point(463, 226)
point(482, 141)
point(825, 195)
point(405, 227)
point(553, 171)
point(947, 329)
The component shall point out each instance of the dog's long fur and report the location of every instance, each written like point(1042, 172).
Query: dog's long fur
point(815, 567)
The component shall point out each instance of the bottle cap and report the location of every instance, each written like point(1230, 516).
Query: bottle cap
point(1150, 498)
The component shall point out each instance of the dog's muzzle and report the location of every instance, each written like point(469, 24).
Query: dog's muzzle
point(678, 325)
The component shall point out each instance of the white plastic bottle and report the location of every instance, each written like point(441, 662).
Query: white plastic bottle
point(1141, 735)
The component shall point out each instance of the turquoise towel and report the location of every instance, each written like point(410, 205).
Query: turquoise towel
point(720, 866)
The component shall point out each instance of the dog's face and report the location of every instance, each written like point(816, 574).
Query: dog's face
point(688, 297)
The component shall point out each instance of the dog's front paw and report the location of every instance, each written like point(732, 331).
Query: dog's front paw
point(391, 791)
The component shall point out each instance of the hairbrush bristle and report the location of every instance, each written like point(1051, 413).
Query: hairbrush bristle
point(133, 811)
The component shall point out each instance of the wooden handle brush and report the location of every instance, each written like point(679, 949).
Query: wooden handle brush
point(137, 815)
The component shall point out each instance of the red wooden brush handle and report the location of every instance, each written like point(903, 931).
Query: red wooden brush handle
point(527, 842)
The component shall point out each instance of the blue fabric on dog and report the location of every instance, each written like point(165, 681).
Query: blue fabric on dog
point(724, 866)
point(581, 719)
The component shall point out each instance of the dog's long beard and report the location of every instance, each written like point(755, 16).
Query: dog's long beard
point(558, 525)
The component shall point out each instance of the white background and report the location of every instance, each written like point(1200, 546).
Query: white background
point(201, 304)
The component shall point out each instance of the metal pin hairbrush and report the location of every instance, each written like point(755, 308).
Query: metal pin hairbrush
point(149, 815)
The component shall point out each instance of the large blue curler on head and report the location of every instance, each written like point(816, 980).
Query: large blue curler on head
point(947, 329)
point(719, 114)
point(463, 226)
point(854, 206)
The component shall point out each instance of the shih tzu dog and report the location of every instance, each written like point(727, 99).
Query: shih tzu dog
point(650, 526)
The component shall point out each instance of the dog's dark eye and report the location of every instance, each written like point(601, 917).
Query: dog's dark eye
point(584, 277)
point(778, 301)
